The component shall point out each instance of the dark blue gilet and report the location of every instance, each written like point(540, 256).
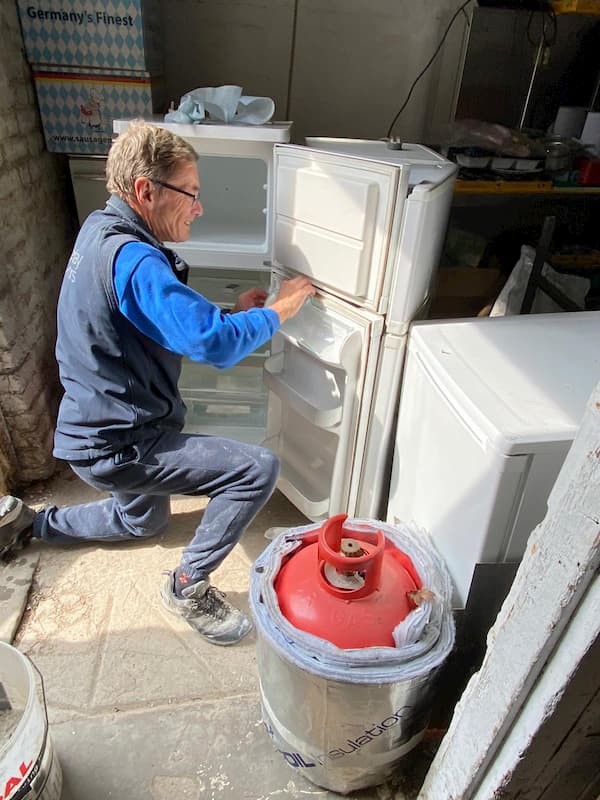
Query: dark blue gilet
point(120, 386)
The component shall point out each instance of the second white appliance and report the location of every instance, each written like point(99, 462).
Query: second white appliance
point(488, 411)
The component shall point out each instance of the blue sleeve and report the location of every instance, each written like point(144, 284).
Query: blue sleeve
point(180, 319)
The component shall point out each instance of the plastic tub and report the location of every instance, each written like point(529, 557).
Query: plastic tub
point(29, 767)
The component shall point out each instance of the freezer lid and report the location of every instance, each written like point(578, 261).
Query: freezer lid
point(336, 218)
point(271, 132)
point(522, 382)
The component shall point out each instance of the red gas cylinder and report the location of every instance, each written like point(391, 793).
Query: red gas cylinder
point(351, 590)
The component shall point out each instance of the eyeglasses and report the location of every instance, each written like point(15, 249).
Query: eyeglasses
point(194, 197)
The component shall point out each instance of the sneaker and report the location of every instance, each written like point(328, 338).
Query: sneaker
point(16, 524)
point(207, 611)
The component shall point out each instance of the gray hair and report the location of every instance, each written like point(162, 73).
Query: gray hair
point(144, 151)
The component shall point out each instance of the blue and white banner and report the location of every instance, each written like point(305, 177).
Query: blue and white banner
point(119, 34)
point(77, 109)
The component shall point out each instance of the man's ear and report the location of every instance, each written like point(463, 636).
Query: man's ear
point(143, 190)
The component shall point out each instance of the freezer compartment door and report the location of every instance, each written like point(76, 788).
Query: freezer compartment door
point(337, 219)
point(318, 376)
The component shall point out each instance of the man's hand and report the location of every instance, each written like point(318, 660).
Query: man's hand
point(253, 298)
point(291, 296)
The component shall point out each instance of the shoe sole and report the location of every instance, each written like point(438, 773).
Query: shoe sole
point(207, 637)
point(16, 543)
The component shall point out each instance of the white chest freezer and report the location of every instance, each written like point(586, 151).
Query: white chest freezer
point(488, 411)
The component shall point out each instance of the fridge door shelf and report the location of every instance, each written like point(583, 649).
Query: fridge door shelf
point(314, 509)
point(324, 328)
point(315, 397)
point(305, 482)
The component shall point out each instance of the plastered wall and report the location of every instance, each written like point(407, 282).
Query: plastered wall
point(336, 68)
point(35, 233)
point(333, 67)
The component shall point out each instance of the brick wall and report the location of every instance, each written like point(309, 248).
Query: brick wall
point(36, 234)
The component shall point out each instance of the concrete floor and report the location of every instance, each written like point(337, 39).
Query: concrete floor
point(140, 707)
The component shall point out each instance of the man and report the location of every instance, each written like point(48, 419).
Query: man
point(125, 319)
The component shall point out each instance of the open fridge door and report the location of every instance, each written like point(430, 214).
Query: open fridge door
point(319, 375)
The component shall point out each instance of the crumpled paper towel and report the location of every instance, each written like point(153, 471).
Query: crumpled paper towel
point(223, 103)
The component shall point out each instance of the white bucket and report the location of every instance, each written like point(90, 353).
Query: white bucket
point(29, 767)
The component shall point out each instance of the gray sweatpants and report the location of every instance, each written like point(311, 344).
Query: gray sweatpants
point(238, 478)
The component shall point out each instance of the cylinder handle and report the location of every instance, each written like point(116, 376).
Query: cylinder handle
point(347, 555)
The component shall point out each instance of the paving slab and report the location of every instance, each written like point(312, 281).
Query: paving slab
point(16, 576)
point(213, 750)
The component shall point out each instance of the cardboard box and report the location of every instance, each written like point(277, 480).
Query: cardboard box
point(465, 292)
point(78, 108)
point(117, 34)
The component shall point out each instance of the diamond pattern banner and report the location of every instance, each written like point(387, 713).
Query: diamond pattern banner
point(78, 109)
point(122, 34)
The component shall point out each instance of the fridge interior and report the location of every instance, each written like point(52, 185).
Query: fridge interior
point(234, 197)
point(232, 402)
point(226, 252)
point(235, 164)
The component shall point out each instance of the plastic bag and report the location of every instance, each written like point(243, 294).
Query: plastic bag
point(489, 136)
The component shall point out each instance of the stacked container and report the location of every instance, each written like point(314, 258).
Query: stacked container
point(90, 65)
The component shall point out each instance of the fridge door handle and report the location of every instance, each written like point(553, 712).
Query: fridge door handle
point(299, 400)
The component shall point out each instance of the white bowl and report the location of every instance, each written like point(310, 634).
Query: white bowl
point(527, 164)
point(503, 163)
point(472, 161)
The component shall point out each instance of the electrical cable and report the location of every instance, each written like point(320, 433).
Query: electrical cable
point(546, 40)
point(548, 16)
point(426, 67)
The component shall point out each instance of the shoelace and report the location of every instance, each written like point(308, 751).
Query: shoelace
point(213, 602)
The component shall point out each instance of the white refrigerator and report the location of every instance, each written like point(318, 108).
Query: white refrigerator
point(366, 223)
point(489, 408)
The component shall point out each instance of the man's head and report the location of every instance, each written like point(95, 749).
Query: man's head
point(155, 172)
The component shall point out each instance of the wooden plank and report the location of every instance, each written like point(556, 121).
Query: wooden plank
point(503, 187)
point(551, 751)
point(562, 557)
point(576, 7)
